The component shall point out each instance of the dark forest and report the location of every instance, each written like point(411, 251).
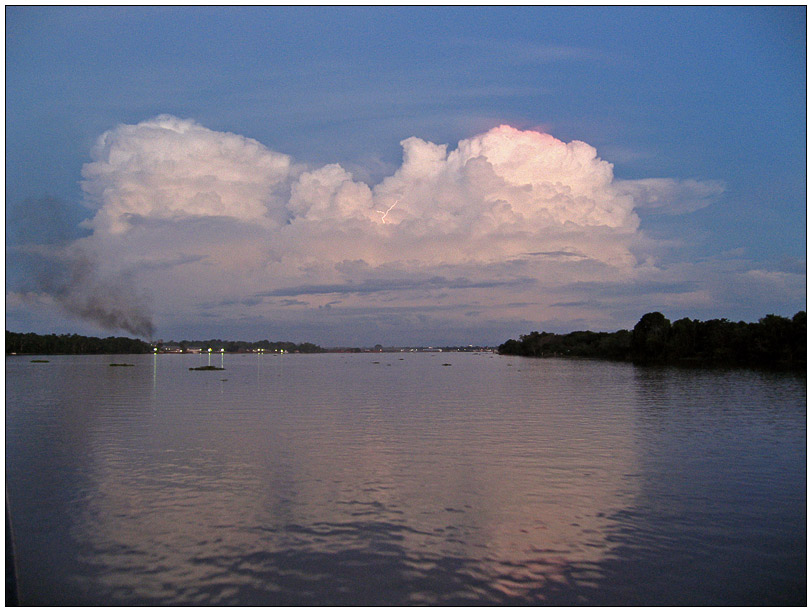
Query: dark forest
point(774, 342)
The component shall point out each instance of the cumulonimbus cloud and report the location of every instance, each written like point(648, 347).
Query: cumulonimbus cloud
point(250, 223)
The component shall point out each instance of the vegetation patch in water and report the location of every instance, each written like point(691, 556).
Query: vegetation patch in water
point(39, 361)
point(208, 367)
point(122, 365)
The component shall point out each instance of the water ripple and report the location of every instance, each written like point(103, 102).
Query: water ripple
point(326, 480)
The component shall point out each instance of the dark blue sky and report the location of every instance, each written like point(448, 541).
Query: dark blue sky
point(703, 93)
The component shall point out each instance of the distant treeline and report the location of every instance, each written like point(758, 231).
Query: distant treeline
point(773, 342)
point(72, 344)
point(241, 346)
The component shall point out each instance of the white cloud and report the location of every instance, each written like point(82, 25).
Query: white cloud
point(330, 193)
point(201, 218)
point(170, 168)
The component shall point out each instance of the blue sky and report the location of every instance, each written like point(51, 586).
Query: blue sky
point(712, 99)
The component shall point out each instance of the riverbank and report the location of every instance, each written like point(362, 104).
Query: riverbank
point(774, 342)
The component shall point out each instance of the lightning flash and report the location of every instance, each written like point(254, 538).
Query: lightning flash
point(383, 217)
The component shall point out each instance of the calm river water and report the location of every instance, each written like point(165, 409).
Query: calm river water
point(375, 479)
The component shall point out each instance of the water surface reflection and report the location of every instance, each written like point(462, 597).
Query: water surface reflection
point(332, 479)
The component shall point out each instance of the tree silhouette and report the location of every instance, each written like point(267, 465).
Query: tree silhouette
point(773, 342)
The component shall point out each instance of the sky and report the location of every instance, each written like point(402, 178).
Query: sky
point(352, 176)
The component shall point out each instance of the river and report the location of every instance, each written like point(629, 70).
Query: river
point(403, 478)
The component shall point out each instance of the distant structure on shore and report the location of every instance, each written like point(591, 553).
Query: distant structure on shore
point(73, 344)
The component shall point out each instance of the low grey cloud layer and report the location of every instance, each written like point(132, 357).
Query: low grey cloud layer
point(501, 227)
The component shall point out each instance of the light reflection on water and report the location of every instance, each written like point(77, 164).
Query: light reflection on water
point(333, 479)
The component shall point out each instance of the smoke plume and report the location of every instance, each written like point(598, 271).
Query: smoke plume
point(51, 259)
point(111, 303)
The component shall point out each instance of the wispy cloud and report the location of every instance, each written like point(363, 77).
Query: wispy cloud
point(558, 254)
point(672, 197)
point(385, 285)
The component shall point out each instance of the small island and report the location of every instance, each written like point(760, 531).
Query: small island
point(207, 368)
